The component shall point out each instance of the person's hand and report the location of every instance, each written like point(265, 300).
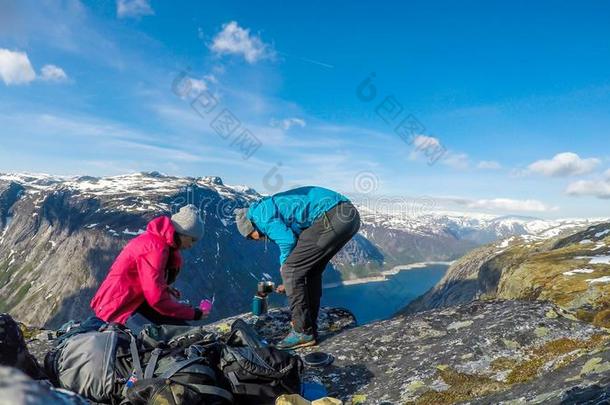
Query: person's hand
point(280, 289)
point(177, 294)
point(206, 306)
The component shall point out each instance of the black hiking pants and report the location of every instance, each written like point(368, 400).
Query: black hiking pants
point(158, 319)
point(302, 271)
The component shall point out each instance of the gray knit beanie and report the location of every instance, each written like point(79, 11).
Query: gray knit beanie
point(244, 225)
point(187, 222)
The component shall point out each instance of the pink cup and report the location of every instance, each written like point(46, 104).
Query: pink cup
point(206, 306)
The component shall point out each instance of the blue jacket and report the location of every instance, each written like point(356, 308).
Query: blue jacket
point(283, 216)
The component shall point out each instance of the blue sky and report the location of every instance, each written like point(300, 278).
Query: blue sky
point(508, 102)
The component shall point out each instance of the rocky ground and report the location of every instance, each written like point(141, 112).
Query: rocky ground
point(484, 352)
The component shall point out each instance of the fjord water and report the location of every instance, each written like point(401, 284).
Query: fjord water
point(381, 299)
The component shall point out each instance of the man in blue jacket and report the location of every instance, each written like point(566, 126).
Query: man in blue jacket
point(310, 225)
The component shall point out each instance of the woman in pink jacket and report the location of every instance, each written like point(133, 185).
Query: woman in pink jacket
point(140, 277)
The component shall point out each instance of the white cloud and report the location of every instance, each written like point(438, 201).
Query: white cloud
point(235, 40)
point(190, 87)
point(459, 161)
point(489, 165)
point(434, 151)
point(424, 142)
point(288, 123)
point(507, 204)
point(564, 165)
point(427, 146)
point(53, 73)
point(15, 67)
point(595, 188)
point(197, 86)
point(133, 8)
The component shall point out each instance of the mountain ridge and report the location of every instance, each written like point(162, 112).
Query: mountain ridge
point(60, 235)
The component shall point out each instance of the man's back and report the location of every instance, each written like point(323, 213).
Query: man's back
point(297, 208)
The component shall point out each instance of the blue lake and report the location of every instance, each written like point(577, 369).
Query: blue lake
point(379, 300)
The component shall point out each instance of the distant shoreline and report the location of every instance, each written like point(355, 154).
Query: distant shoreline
point(384, 274)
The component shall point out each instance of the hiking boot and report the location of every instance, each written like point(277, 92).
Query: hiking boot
point(294, 340)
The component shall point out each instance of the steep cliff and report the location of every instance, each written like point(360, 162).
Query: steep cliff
point(572, 270)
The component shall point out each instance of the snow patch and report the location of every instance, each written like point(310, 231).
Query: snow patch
point(8, 223)
point(138, 232)
point(506, 242)
point(600, 234)
point(595, 259)
point(530, 238)
point(599, 246)
point(578, 271)
point(600, 260)
point(605, 279)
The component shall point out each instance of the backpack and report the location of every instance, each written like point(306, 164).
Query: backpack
point(94, 364)
point(178, 376)
point(257, 373)
point(194, 341)
point(14, 351)
point(110, 365)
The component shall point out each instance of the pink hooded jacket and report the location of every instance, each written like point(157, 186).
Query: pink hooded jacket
point(139, 274)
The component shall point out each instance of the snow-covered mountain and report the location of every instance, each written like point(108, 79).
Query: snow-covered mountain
point(477, 227)
point(444, 235)
point(59, 235)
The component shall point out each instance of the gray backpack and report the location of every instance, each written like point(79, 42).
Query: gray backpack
point(87, 364)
